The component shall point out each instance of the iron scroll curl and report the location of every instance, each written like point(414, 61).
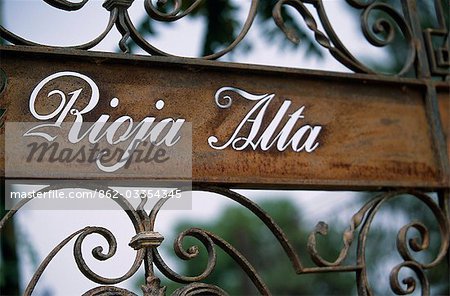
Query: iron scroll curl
point(384, 25)
point(148, 252)
point(120, 17)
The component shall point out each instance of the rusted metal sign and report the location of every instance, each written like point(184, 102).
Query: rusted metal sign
point(252, 126)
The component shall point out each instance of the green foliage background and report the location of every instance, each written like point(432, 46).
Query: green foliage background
point(252, 238)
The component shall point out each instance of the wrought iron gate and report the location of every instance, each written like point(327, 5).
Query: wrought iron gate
point(426, 66)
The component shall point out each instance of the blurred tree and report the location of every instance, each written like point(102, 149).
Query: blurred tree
point(222, 26)
point(250, 236)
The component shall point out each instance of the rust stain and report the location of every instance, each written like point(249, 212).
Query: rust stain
point(370, 135)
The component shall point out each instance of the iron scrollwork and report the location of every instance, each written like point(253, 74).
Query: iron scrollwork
point(120, 17)
point(147, 240)
point(439, 57)
point(389, 27)
point(383, 31)
point(373, 33)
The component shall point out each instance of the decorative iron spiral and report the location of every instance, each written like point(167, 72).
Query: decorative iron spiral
point(120, 18)
point(330, 40)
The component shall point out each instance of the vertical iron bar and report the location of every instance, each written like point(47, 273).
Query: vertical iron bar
point(412, 17)
point(431, 100)
point(437, 132)
point(444, 199)
point(9, 284)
